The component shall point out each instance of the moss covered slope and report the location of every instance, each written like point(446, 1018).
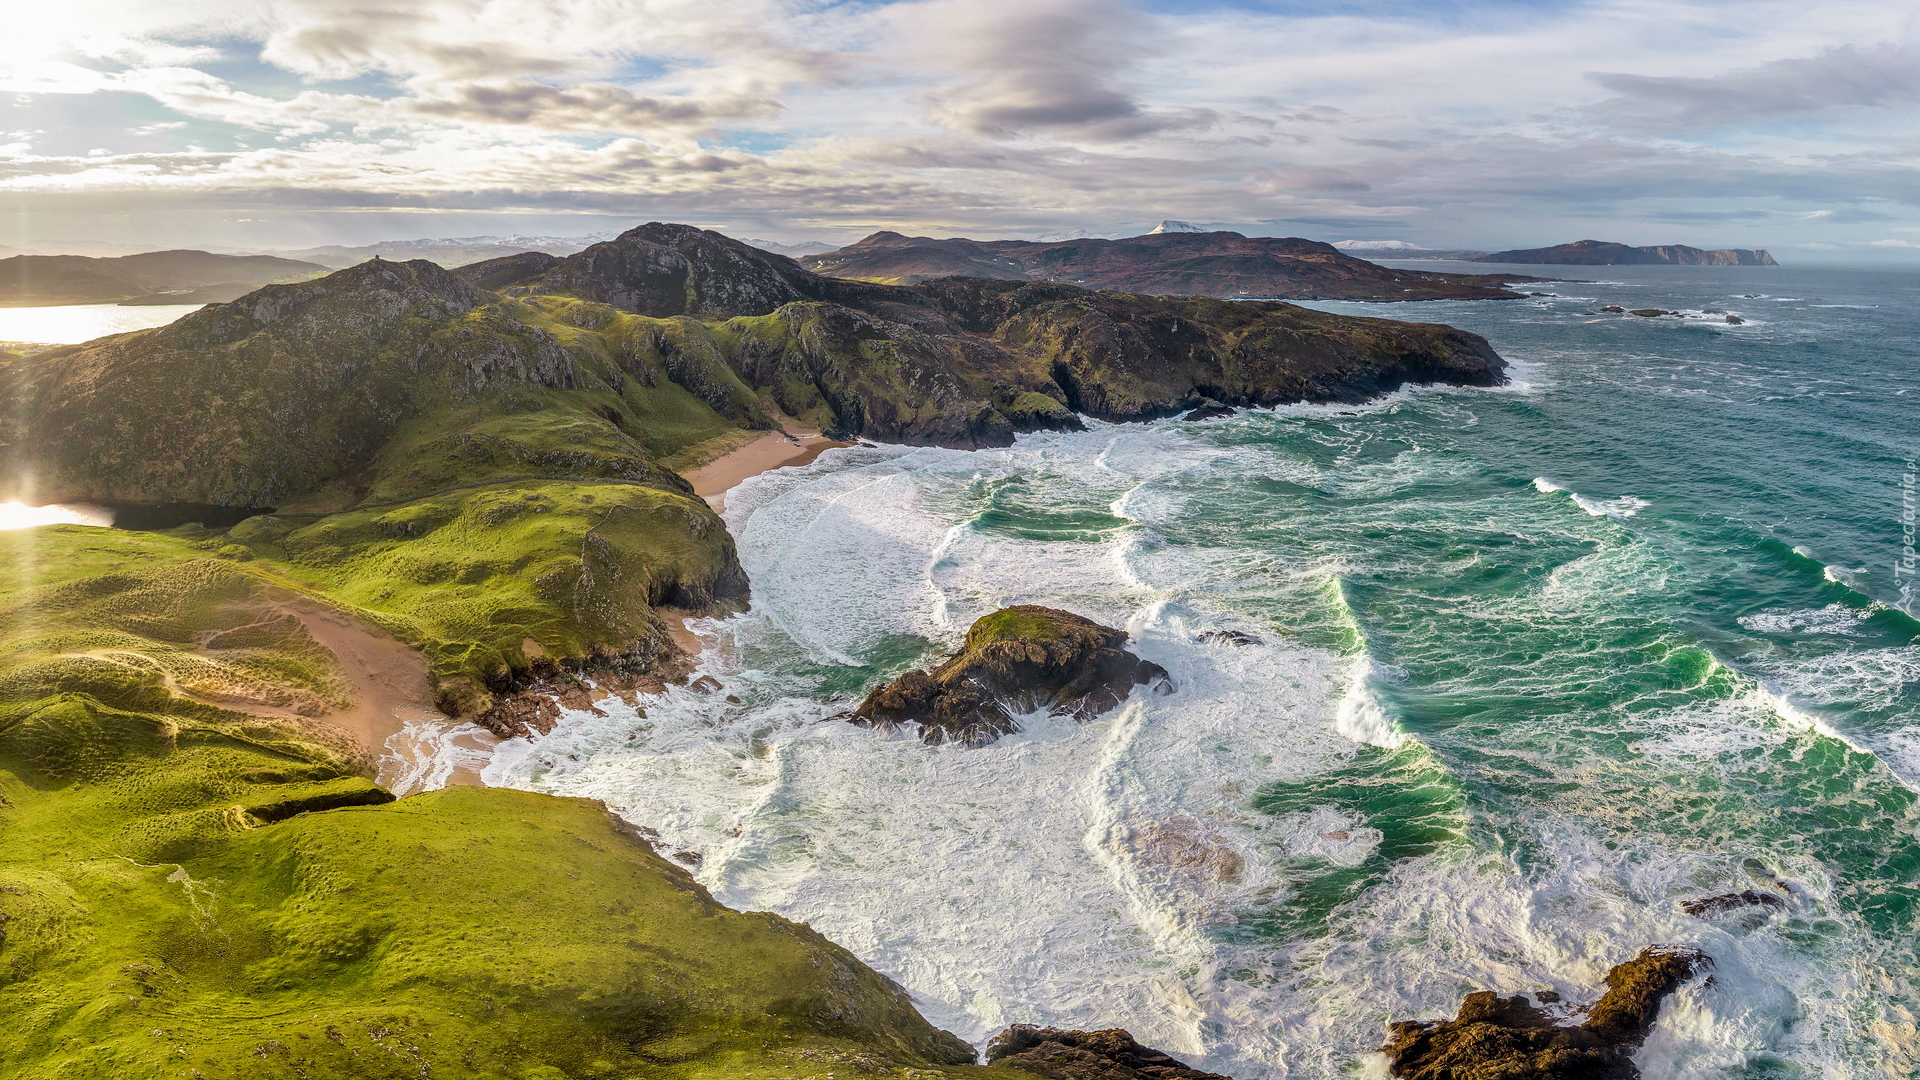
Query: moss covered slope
point(469, 473)
point(184, 886)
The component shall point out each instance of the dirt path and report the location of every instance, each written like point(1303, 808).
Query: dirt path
point(388, 679)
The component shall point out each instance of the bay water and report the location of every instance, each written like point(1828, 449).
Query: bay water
point(1523, 669)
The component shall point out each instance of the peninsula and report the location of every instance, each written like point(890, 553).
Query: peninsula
point(1225, 265)
point(1605, 253)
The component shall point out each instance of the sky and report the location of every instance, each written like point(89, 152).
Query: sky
point(256, 124)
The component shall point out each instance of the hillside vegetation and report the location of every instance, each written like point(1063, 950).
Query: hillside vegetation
point(198, 877)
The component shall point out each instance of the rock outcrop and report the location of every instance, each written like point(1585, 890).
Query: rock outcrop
point(1016, 660)
point(1086, 1055)
point(1183, 262)
point(1496, 1037)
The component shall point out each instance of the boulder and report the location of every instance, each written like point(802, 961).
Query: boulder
point(1509, 1037)
point(1086, 1055)
point(1209, 410)
point(1014, 661)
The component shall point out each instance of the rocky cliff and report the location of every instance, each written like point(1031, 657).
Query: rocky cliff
point(1226, 265)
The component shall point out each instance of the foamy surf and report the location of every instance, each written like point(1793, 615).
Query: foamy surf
point(1619, 509)
point(1465, 748)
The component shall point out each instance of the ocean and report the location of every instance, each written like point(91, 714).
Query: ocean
point(1531, 667)
point(70, 324)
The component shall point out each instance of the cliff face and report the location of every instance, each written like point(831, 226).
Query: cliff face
point(972, 361)
point(1604, 253)
point(1219, 264)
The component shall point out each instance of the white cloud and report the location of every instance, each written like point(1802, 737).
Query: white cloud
point(1487, 127)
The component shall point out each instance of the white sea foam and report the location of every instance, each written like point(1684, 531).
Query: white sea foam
point(426, 755)
point(1619, 509)
point(1832, 619)
point(1360, 715)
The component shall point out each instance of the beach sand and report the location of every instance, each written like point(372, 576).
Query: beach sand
point(794, 444)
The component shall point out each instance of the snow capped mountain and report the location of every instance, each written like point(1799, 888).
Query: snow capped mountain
point(791, 251)
point(1171, 225)
point(1377, 245)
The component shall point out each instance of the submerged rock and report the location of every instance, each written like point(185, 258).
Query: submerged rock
point(1209, 410)
point(1508, 1037)
point(1238, 638)
point(1015, 660)
point(1708, 907)
point(1086, 1055)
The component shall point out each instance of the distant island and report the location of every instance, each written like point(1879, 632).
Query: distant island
point(1604, 253)
point(1170, 261)
point(153, 277)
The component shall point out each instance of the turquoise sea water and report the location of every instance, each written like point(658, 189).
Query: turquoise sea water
point(1535, 665)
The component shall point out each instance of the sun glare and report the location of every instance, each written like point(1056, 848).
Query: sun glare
point(14, 515)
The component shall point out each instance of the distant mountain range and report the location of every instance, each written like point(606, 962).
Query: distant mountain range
point(791, 251)
point(456, 251)
point(1169, 262)
point(1579, 253)
point(153, 277)
point(1605, 253)
point(446, 251)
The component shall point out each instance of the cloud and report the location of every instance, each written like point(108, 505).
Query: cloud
point(1466, 127)
point(1849, 76)
point(1019, 67)
point(588, 107)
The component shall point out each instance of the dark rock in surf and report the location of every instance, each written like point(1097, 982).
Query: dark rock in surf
point(1238, 638)
point(1209, 410)
point(1509, 1037)
point(1086, 1055)
point(1708, 907)
point(1015, 660)
point(1651, 312)
point(1735, 320)
point(1614, 309)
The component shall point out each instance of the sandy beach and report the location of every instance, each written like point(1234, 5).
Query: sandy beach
point(794, 444)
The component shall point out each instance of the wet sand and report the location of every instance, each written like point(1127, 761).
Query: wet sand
point(390, 688)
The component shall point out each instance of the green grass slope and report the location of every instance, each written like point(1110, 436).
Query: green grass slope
point(188, 890)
